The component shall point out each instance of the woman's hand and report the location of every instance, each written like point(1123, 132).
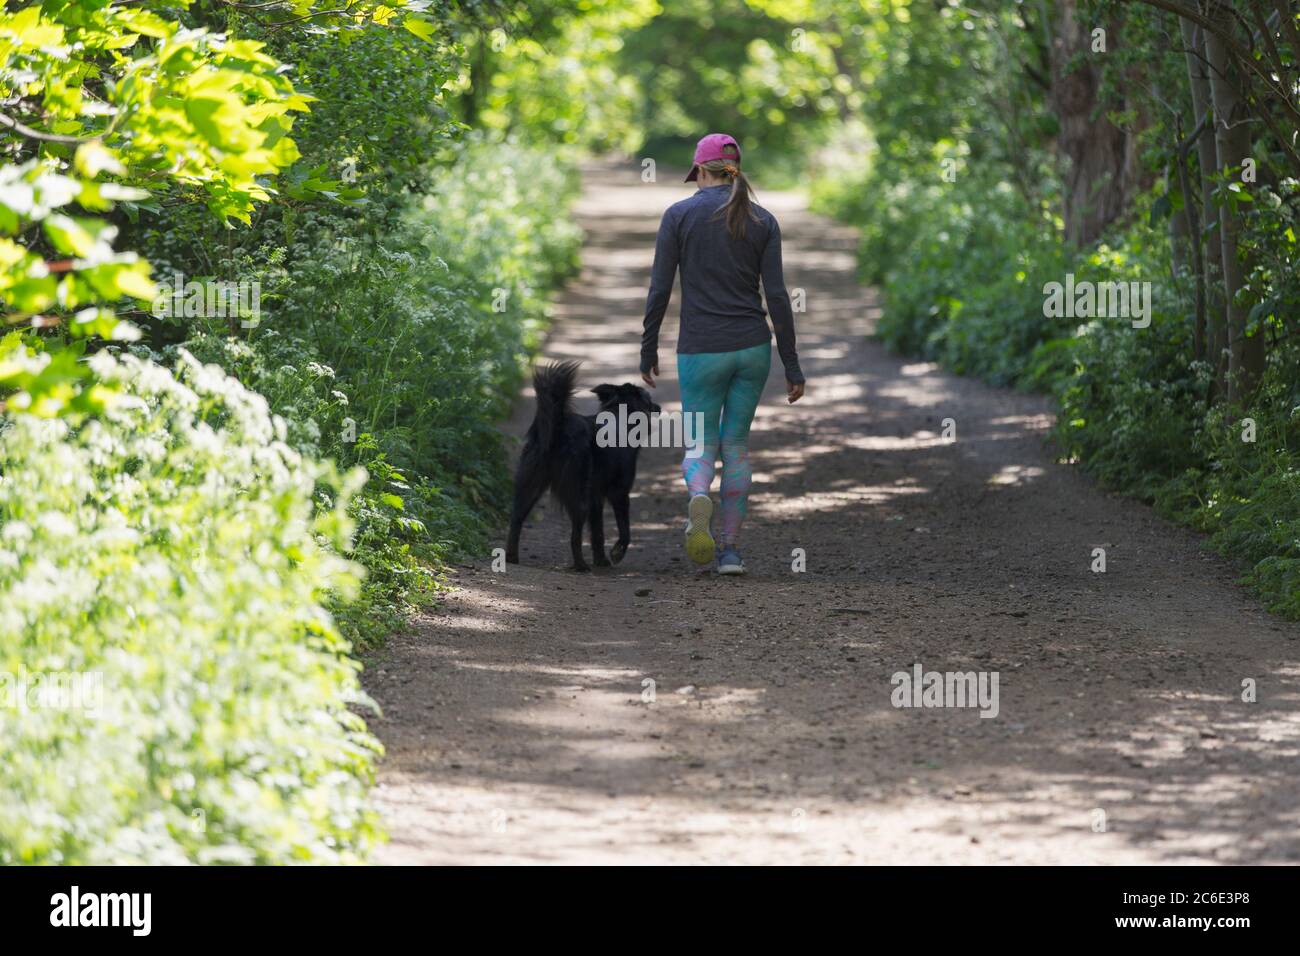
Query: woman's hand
point(793, 391)
point(648, 377)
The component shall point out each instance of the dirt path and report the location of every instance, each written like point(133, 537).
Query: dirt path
point(515, 719)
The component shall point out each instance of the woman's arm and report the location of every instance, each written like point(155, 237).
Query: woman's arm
point(662, 275)
point(778, 304)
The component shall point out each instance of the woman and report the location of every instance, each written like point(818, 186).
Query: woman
point(723, 243)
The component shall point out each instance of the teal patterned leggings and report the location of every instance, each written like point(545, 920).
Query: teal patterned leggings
point(724, 387)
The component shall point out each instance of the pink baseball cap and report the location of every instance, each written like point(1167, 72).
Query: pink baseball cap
point(714, 146)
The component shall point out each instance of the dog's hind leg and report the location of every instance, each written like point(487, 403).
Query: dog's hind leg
point(596, 516)
point(526, 495)
point(618, 499)
point(577, 508)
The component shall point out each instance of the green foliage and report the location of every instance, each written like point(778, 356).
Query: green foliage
point(1244, 493)
point(551, 73)
point(378, 342)
point(1132, 402)
point(400, 351)
point(963, 258)
point(110, 104)
point(963, 267)
point(173, 555)
point(746, 79)
point(185, 543)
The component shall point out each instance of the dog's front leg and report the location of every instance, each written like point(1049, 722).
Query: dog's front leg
point(517, 517)
point(512, 541)
point(620, 504)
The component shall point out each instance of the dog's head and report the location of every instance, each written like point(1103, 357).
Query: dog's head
point(636, 398)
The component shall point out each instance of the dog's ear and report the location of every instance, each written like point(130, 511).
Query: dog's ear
point(605, 392)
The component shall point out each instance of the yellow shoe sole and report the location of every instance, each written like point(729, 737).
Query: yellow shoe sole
point(699, 541)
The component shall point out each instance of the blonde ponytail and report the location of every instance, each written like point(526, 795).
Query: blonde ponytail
point(739, 207)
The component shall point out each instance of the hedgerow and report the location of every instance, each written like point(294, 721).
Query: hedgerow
point(197, 554)
point(169, 563)
point(963, 285)
point(400, 352)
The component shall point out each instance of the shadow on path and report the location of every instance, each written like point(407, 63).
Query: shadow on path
point(522, 725)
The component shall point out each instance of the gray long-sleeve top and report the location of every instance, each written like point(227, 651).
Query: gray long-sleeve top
point(722, 310)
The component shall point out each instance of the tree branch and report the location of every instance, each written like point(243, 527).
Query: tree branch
point(30, 133)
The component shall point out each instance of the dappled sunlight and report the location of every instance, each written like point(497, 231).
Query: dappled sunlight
point(824, 353)
point(819, 501)
point(1016, 474)
point(922, 439)
point(939, 807)
point(839, 388)
point(821, 261)
point(553, 673)
point(254, 602)
point(603, 293)
point(771, 729)
point(1016, 424)
point(919, 394)
point(481, 612)
point(802, 454)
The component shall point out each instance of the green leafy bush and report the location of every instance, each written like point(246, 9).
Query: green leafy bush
point(400, 352)
point(1131, 404)
point(1246, 494)
point(962, 267)
point(173, 557)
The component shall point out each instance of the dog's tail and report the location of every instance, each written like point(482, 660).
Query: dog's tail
point(554, 386)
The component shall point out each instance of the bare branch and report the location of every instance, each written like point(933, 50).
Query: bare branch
point(30, 133)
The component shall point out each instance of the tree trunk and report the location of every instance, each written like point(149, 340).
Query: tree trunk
point(1187, 254)
point(1210, 310)
point(480, 76)
point(1097, 159)
point(1232, 142)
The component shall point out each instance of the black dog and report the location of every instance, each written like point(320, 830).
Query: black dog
point(561, 453)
